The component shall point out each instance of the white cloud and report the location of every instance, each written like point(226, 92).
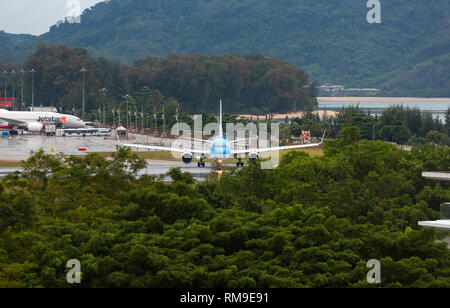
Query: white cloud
point(34, 16)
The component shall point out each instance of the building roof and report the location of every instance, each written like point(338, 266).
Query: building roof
point(440, 176)
point(440, 224)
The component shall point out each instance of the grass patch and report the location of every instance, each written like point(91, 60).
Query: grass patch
point(10, 164)
point(150, 155)
point(167, 156)
point(315, 152)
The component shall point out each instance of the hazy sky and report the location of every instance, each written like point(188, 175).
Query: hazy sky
point(37, 16)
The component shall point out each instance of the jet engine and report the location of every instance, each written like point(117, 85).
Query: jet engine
point(187, 158)
point(253, 156)
point(34, 127)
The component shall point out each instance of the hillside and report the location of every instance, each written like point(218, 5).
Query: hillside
point(407, 54)
point(8, 44)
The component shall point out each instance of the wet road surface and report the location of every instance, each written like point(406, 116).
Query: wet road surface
point(18, 148)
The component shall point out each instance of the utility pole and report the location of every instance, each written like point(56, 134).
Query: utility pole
point(32, 89)
point(104, 90)
point(83, 70)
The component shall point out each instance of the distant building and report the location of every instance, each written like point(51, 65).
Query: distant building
point(363, 89)
point(6, 103)
point(43, 109)
point(340, 88)
point(332, 88)
point(444, 223)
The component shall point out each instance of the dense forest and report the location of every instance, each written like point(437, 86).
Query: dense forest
point(246, 83)
point(407, 54)
point(312, 222)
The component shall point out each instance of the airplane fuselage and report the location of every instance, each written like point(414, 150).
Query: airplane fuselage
point(220, 147)
point(44, 118)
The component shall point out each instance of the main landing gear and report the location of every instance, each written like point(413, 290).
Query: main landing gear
point(201, 163)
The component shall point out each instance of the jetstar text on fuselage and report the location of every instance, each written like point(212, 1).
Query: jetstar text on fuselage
point(49, 120)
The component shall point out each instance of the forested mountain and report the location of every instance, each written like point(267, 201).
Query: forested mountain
point(8, 44)
point(407, 54)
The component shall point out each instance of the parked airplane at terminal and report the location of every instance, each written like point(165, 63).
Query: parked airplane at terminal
point(35, 121)
point(221, 148)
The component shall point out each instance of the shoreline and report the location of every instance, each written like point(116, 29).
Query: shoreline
point(381, 99)
point(292, 115)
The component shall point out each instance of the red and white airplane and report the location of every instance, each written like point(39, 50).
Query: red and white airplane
point(35, 121)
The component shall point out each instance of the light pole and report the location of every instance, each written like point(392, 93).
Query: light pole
point(164, 121)
point(142, 115)
point(148, 127)
point(21, 82)
point(114, 116)
point(83, 70)
point(127, 97)
point(156, 121)
point(32, 89)
point(178, 125)
point(13, 74)
point(136, 117)
point(104, 90)
point(5, 73)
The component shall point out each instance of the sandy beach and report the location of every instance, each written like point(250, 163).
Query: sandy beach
point(292, 115)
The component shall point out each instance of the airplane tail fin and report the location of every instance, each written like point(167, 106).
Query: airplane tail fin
point(323, 137)
point(220, 121)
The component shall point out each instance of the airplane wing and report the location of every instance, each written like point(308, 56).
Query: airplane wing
point(193, 139)
point(208, 141)
point(289, 147)
point(239, 140)
point(11, 121)
point(162, 148)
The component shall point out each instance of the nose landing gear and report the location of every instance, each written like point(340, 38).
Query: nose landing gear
point(239, 163)
point(201, 163)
